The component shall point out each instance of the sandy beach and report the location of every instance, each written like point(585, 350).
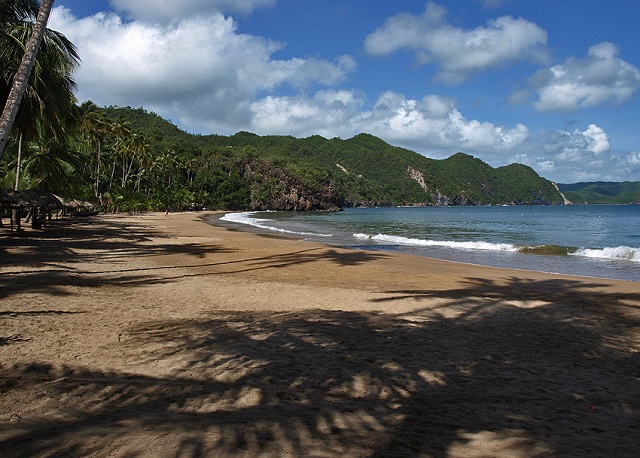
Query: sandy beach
point(156, 335)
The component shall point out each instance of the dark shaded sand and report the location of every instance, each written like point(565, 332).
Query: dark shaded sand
point(162, 335)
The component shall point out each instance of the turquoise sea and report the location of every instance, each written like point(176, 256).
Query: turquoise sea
point(601, 241)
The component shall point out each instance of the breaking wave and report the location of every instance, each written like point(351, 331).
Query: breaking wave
point(262, 223)
point(399, 240)
point(621, 253)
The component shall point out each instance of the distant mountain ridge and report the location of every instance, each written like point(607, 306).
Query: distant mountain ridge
point(602, 192)
point(367, 171)
point(280, 172)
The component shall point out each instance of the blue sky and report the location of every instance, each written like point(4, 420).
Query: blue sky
point(551, 84)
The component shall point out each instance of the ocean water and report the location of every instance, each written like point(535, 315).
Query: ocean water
point(601, 241)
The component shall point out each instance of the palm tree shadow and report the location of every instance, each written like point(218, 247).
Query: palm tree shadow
point(50, 258)
point(544, 375)
point(46, 259)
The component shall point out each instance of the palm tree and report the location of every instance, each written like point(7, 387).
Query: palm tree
point(49, 94)
point(21, 78)
point(121, 127)
point(49, 163)
point(136, 145)
point(94, 126)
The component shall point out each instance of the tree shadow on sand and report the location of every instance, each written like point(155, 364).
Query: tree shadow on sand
point(45, 261)
point(76, 241)
point(491, 369)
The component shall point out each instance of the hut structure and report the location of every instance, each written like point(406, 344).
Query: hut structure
point(34, 204)
point(76, 207)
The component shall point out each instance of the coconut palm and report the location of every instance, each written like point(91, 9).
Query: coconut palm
point(136, 145)
point(12, 11)
point(23, 73)
point(49, 95)
point(94, 127)
point(121, 127)
point(49, 163)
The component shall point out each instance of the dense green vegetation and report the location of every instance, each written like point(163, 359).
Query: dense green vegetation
point(47, 107)
point(133, 160)
point(601, 192)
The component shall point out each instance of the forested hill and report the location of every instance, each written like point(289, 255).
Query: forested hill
point(282, 172)
point(601, 192)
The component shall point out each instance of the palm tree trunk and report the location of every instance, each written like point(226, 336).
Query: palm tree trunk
point(126, 178)
point(21, 77)
point(113, 172)
point(19, 163)
point(98, 172)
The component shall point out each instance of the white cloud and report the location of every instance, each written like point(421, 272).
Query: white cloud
point(580, 83)
point(633, 159)
point(198, 68)
point(303, 72)
point(329, 113)
point(596, 138)
point(422, 125)
point(434, 122)
point(163, 10)
point(578, 146)
point(459, 53)
point(580, 155)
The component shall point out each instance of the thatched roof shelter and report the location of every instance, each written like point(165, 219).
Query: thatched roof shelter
point(37, 202)
point(80, 207)
point(31, 198)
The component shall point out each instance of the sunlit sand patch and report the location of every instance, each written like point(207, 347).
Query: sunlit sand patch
point(528, 304)
point(507, 443)
point(434, 379)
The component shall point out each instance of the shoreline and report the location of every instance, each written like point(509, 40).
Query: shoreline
point(165, 335)
point(414, 251)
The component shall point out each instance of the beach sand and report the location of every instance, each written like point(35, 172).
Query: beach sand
point(158, 335)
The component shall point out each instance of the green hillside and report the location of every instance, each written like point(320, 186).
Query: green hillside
point(251, 171)
point(601, 192)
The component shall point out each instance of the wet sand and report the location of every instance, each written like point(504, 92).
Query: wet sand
point(158, 335)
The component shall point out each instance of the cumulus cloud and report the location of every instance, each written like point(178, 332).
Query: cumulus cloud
point(162, 10)
point(580, 83)
point(329, 113)
point(459, 53)
point(435, 122)
point(578, 146)
point(200, 67)
point(432, 123)
point(579, 155)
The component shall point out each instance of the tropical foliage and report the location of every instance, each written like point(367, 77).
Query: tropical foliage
point(38, 154)
point(132, 160)
point(36, 64)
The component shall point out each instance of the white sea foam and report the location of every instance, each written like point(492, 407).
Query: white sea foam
point(621, 253)
point(616, 253)
point(249, 219)
point(485, 246)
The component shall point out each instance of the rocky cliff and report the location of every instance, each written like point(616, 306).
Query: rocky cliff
point(274, 188)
